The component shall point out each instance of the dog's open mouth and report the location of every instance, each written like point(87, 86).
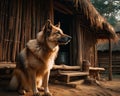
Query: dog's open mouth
point(64, 40)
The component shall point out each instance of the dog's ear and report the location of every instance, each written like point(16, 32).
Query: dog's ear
point(48, 24)
point(58, 25)
point(47, 28)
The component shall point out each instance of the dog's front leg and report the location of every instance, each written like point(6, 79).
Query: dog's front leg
point(34, 87)
point(45, 84)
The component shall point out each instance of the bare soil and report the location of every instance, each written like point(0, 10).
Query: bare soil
point(102, 88)
point(105, 88)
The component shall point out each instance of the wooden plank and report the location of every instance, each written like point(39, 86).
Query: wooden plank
point(65, 67)
point(96, 68)
point(73, 73)
point(7, 65)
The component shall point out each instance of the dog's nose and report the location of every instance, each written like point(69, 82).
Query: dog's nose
point(69, 38)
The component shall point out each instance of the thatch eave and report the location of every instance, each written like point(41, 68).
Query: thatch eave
point(91, 18)
point(104, 46)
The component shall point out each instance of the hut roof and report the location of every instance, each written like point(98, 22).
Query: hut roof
point(91, 18)
point(96, 21)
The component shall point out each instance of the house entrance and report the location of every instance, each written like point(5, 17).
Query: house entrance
point(64, 52)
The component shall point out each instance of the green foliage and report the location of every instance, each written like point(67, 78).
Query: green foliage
point(109, 9)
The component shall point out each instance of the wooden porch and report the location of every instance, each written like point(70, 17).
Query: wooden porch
point(63, 73)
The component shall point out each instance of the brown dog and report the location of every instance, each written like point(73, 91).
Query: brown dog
point(35, 61)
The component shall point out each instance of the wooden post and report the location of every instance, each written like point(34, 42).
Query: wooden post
point(95, 57)
point(110, 60)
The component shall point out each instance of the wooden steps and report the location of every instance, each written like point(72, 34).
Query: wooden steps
point(69, 76)
point(71, 73)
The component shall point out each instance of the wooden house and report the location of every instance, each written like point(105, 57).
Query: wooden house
point(21, 20)
point(103, 56)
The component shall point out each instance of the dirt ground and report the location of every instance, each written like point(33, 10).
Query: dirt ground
point(109, 88)
point(102, 88)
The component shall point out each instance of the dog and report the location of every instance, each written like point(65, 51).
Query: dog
point(36, 60)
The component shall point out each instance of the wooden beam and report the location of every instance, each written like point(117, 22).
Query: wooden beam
point(110, 60)
point(62, 8)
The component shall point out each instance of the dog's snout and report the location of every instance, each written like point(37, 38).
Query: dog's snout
point(68, 38)
point(64, 40)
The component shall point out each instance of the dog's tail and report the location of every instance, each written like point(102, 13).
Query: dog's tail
point(14, 82)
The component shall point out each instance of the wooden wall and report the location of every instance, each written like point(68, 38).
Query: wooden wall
point(103, 61)
point(83, 43)
point(20, 20)
point(88, 46)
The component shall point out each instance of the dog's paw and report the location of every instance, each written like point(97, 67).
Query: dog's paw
point(37, 94)
point(22, 92)
point(41, 89)
point(48, 94)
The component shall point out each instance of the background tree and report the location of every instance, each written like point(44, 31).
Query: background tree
point(109, 9)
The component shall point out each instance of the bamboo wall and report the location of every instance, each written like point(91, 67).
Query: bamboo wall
point(20, 20)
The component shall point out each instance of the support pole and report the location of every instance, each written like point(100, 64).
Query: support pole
point(110, 60)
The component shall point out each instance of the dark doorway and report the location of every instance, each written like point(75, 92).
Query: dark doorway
point(64, 52)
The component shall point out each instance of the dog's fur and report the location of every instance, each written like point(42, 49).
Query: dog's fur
point(36, 59)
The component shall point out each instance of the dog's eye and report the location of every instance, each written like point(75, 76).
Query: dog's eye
point(58, 33)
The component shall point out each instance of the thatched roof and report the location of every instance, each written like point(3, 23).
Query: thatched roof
point(91, 18)
point(95, 20)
